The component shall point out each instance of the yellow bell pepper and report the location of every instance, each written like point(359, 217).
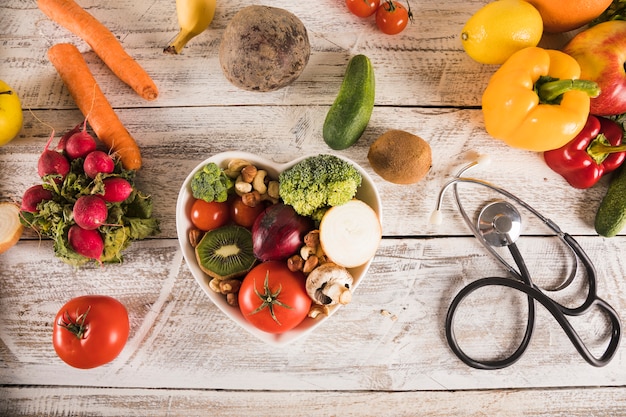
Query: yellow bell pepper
point(536, 101)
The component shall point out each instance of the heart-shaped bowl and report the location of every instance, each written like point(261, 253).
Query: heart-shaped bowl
point(367, 192)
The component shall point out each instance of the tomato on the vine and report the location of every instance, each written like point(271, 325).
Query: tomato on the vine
point(208, 216)
point(243, 214)
point(363, 8)
point(273, 298)
point(392, 17)
point(90, 331)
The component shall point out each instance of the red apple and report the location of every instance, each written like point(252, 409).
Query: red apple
point(601, 54)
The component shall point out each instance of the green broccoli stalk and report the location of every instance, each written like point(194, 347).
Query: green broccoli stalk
point(211, 184)
point(317, 183)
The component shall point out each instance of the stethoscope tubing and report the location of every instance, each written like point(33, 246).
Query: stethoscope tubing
point(534, 294)
point(522, 282)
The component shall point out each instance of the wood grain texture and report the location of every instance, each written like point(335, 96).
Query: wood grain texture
point(389, 338)
point(52, 401)
point(384, 354)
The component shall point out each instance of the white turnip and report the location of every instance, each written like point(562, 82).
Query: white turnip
point(98, 162)
point(33, 196)
point(85, 242)
point(116, 189)
point(90, 212)
point(52, 162)
point(350, 233)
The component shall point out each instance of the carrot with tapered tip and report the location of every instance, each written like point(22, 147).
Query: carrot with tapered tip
point(81, 84)
point(77, 20)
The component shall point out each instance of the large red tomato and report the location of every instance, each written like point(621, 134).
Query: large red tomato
point(90, 331)
point(273, 298)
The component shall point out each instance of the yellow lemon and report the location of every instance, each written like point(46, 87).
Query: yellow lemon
point(501, 28)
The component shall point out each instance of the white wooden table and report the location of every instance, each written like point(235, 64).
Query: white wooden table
point(183, 357)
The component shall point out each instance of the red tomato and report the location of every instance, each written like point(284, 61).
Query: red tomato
point(363, 8)
point(392, 17)
point(242, 214)
point(90, 331)
point(273, 298)
point(208, 216)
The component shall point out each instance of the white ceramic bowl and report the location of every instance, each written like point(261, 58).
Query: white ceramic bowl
point(367, 192)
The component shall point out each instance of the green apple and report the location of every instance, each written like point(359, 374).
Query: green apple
point(10, 114)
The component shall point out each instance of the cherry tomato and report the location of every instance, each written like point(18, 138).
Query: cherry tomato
point(392, 17)
point(273, 298)
point(363, 8)
point(208, 216)
point(242, 214)
point(90, 331)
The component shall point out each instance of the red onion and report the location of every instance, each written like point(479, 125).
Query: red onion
point(278, 232)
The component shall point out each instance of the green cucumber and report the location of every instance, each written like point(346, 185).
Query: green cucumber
point(351, 111)
point(611, 215)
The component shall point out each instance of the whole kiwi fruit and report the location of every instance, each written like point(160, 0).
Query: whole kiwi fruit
point(226, 252)
point(400, 157)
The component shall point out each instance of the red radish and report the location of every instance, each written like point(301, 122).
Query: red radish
point(85, 242)
point(79, 145)
point(116, 189)
point(33, 196)
point(278, 232)
point(90, 212)
point(79, 142)
point(98, 162)
point(52, 162)
point(65, 137)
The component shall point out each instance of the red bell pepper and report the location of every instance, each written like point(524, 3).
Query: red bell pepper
point(595, 151)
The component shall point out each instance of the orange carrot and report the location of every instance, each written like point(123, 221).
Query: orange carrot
point(74, 18)
point(92, 102)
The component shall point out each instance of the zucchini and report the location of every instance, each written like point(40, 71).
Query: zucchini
point(611, 215)
point(350, 113)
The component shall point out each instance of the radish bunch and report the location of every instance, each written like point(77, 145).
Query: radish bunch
point(87, 202)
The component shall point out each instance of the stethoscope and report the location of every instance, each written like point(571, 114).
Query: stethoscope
point(499, 225)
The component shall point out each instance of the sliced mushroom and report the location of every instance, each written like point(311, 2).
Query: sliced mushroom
point(330, 284)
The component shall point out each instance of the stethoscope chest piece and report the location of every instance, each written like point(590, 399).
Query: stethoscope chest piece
point(499, 223)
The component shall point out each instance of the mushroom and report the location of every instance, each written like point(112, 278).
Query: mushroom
point(329, 284)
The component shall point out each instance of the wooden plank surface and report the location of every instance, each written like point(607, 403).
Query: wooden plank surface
point(383, 354)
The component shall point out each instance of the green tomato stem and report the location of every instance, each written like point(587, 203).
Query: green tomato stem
point(269, 298)
point(77, 326)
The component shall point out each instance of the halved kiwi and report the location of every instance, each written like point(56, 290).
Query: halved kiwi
point(226, 252)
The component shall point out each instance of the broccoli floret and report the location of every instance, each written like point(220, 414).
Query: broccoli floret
point(317, 183)
point(211, 184)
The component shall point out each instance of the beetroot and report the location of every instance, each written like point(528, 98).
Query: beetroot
point(116, 189)
point(98, 162)
point(85, 242)
point(278, 232)
point(33, 196)
point(90, 212)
